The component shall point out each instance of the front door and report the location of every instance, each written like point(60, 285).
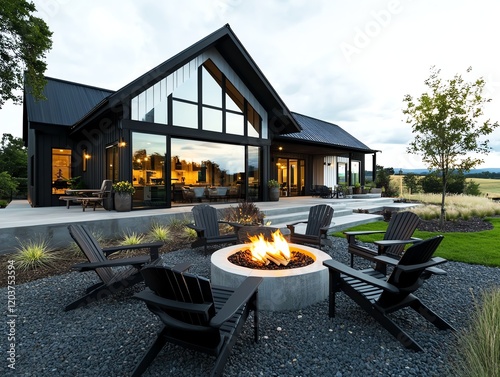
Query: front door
point(291, 176)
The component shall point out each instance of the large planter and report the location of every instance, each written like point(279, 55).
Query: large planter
point(274, 194)
point(123, 202)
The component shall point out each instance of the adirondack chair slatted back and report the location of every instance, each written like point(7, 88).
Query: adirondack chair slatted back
point(401, 227)
point(409, 281)
point(319, 217)
point(183, 287)
point(90, 247)
point(205, 216)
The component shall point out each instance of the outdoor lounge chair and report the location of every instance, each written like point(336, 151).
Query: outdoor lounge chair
point(401, 227)
point(379, 295)
point(195, 314)
point(206, 224)
point(318, 223)
point(111, 281)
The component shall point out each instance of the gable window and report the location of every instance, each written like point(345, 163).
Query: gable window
point(199, 92)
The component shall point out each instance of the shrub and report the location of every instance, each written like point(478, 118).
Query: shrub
point(132, 238)
point(479, 344)
point(472, 188)
point(33, 254)
point(246, 213)
point(159, 232)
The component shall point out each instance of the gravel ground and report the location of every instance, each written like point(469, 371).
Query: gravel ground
point(109, 337)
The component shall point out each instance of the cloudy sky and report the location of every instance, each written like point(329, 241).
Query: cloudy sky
point(345, 62)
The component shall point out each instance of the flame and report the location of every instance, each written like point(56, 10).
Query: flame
point(264, 251)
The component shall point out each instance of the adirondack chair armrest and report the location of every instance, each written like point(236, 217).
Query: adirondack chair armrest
point(199, 231)
point(385, 243)
point(90, 266)
point(385, 259)
point(236, 226)
point(357, 274)
point(296, 223)
point(351, 235)
point(240, 296)
point(423, 266)
point(153, 248)
point(181, 267)
point(324, 230)
point(149, 297)
point(291, 227)
point(363, 232)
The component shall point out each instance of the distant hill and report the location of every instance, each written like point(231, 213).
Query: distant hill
point(425, 171)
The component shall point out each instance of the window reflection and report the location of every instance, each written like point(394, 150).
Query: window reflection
point(200, 166)
point(253, 122)
point(235, 124)
point(148, 170)
point(185, 114)
point(212, 81)
point(188, 90)
point(212, 120)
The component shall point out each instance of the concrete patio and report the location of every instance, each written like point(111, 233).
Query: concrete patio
point(20, 221)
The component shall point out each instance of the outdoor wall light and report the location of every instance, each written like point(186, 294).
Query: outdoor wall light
point(122, 142)
point(85, 156)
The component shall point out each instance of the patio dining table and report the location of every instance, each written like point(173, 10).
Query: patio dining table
point(80, 195)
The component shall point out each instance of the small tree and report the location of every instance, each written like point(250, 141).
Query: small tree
point(448, 126)
point(411, 181)
point(13, 156)
point(383, 180)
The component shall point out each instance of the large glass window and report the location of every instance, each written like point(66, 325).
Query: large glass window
point(148, 170)
point(219, 99)
point(201, 166)
point(61, 170)
point(254, 183)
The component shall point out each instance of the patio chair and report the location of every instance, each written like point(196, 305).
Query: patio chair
point(101, 197)
point(318, 223)
point(379, 295)
point(195, 314)
point(401, 227)
point(206, 224)
point(111, 281)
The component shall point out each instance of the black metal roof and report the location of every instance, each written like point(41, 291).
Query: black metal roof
point(66, 103)
point(317, 131)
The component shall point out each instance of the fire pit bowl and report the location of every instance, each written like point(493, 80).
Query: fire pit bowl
point(281, 290)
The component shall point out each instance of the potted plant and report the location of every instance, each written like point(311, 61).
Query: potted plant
point(357, 188)
point(123, 196)
point(274, 190)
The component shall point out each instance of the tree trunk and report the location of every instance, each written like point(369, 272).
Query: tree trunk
point(442, 216)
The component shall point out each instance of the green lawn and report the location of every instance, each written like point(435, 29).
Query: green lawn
point(474, 247)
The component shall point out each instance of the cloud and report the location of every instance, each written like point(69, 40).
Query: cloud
point(299, 46)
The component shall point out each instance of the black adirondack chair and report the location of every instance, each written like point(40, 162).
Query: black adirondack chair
point(111, 281)
point(401, 227)
point(195, 314)
point(318, 223)
point(206, 224)
point(379, 295)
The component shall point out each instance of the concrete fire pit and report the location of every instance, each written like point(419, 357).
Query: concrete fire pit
point(280, 290)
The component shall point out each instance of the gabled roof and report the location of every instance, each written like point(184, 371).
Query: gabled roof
point(72, 102)
point(228, 45)
point(315, 131)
